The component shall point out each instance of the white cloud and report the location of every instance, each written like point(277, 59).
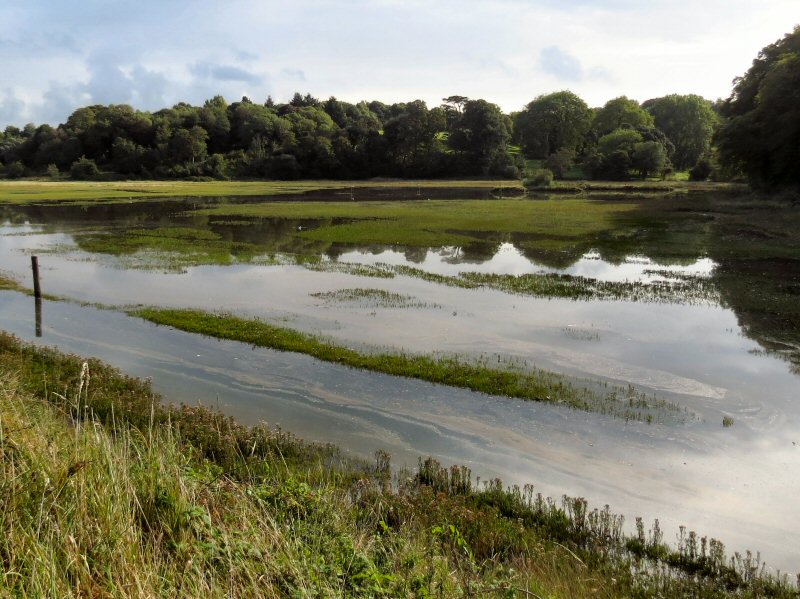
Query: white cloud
point(154, 53)
point(561, 64)
point(12, 109)
point(224, 72)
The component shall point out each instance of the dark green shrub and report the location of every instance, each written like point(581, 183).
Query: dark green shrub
point(84, 169)
point(700, 171)
point(15, 170)
point(542, 177)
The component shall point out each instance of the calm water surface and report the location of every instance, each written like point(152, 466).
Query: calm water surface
point(737, 483)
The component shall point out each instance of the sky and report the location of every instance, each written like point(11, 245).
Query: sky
point(57, 56)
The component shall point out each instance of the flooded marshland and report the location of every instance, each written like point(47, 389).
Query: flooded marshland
point(690, 300)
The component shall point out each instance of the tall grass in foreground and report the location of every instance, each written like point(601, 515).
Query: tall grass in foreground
point(105, 492)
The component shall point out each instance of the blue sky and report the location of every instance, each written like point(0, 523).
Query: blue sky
point(59, 55)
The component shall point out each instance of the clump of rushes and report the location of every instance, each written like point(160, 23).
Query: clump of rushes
point(530, 384)
point(106, 492)
point(349, 268)
point(682, 289)
point(9, 284)
point(368, 298)
point(687, 290)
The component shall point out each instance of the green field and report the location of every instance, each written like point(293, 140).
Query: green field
point(77, 191)
point(437, 222)
point(26, 191)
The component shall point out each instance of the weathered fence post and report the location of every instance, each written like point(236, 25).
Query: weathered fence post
point(38, 303)
point(37, 294)
point(37, 290)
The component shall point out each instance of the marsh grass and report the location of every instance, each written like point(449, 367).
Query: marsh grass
point(550, 226)
point(107, 492)
point(580, 334)
point(10, 284)
point(482, 374)
point(752, 237)
point(171, 248)
point(685, 290)
point(350, 268)
point(372, 298)
point(429, 223)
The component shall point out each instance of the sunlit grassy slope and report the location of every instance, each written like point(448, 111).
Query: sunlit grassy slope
point(107, 493)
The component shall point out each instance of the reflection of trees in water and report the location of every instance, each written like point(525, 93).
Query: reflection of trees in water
point(763, 292)
point(117, 213)
point(765, 295)
point(754, 245)
point(272, 235)
point(477, 253)
point(562, 256)
point(415, 255)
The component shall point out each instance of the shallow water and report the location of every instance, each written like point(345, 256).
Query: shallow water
point(741, 490)
point(695, 355)
point(736, 483)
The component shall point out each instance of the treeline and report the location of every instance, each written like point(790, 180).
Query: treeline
point(755, 132)
point(304, 138)
point(310, 138)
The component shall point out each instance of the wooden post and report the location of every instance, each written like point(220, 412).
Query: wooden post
point(37, 290)
point(38, 302)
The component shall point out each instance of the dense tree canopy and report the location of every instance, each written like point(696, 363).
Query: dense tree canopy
point(311, 138)
point(620, 112)
point(688, 121)
point(552, 122)
point(482, 133)
point(761, 135)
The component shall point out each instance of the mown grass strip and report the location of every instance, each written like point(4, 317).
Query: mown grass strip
point(537, 385)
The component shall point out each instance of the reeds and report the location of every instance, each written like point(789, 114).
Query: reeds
point(372, 298)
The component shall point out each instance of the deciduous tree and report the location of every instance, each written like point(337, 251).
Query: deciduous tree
point(688, 121)
point(551, 122)
point(620, 112)
point(761, 133)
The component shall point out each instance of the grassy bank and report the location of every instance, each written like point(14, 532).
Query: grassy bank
point(107, 492)
point(22, 191)
point(530, 384)
point(26, 191)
